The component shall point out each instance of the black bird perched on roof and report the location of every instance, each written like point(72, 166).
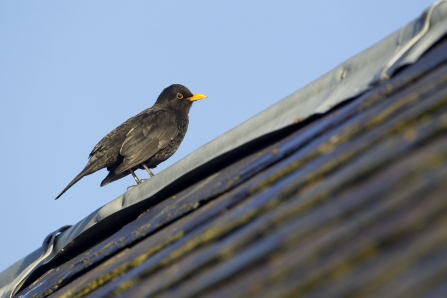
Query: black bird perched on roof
point(145, 140)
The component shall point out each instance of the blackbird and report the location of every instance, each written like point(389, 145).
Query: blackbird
point(143, 141)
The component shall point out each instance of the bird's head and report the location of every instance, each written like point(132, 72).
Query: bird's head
point(178, 97)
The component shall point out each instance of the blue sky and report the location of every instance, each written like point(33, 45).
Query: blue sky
point(71, 71)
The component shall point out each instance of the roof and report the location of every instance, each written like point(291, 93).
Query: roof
point(348, 202)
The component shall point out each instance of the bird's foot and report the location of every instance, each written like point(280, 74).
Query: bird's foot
point(132, 186)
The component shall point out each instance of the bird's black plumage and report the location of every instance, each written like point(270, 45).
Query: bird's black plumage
point(148, 138)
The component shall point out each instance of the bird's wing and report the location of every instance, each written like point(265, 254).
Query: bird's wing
point(153, 132)
point(116, 136)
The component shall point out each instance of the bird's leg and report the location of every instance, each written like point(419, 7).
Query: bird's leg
point(135, 176)
point(148, 170)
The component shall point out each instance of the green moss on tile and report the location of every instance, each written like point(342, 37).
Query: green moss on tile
point(350, 133)
point(117, 272)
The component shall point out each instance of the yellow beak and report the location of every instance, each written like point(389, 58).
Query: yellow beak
point(196, 97)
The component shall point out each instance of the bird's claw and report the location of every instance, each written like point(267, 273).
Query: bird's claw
point(141, 181)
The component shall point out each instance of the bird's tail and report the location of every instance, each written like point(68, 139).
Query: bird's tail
point(113, 177)
point(86, 171)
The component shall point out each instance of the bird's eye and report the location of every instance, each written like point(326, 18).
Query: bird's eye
point(179, 96)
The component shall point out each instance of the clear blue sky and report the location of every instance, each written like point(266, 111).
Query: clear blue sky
point(71, 71)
